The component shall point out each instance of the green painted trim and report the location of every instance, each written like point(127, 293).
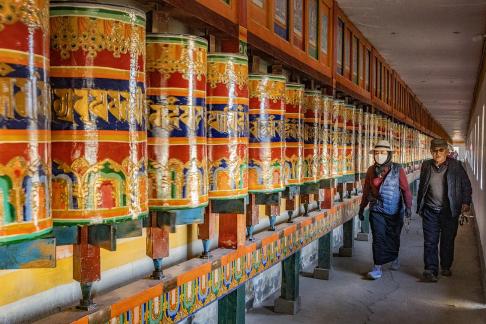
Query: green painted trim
point(312, 92)
point(222, 57)
point(230, 198)
point(96, 11)
point(176, 208)
point(177, 39)
point(267, 76)
point(266, 191)
point(111, 220)
point(24, 237)
point(295, 86)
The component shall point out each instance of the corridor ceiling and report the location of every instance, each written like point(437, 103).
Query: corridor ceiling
point(430, 44)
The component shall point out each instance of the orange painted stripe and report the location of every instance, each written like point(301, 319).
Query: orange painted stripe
point(82, 320)
point(225, 259)
point(135, 300)
point(24, 135)
point(294, 115)
point(226, 141)
point(269, 239)
point(25, 228)
point(88, 214)
point(176, 92)
point(93, 72)
point(194, 273)
point(289, 230)
point(319, 216)
point(22, 58)
point(176, 140)
point(227, 193)
point(227, 100)
point(267, 145)
point(99, 135)
point(306, 222)
point(293, 144)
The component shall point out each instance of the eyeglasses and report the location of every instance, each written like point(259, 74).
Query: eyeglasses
point(437, 151)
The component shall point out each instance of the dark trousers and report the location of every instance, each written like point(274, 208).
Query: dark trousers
point(440, 228)
point(386, 231)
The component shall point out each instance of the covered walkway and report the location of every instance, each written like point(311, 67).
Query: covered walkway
point(399, 297)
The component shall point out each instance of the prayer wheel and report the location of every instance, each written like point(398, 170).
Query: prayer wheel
point(349, 139)
point(312, 133)
point(25, 170)
point(99, 135)
point(325, 147)
point(176, 98)
point(359, 140)
point(227, 125)
point(337, 138)
point(294, 128)
point(267, 146)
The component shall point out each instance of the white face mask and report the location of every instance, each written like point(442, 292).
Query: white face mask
point(381, 158)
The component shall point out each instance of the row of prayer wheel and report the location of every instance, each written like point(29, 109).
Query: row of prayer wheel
point(112, 123)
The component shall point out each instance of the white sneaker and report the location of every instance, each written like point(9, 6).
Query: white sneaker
point(375, 273)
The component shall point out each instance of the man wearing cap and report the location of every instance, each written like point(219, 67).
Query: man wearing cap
point(386, 190)
point(444, 193)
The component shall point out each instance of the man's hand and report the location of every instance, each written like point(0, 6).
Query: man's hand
point(361, 214)
point(408, 212)
point(465, 209)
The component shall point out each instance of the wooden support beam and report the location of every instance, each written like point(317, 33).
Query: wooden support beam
point(232, 230)
point(289, 300)
point(231, 308)
point(157, 246)
point(252, 216)
point(324, 257)
point(348, 239)
point(206, 231)
point(86, 267)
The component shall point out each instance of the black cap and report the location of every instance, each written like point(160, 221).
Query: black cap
point(438, 143)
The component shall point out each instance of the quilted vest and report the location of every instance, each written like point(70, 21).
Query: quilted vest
point(389, 202)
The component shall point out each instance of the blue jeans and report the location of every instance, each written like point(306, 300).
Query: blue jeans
point(440, 229)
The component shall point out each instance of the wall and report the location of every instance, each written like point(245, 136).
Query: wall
point(476, 165)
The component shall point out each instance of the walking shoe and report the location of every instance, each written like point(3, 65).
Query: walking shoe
point(429, 276)
point(395, 265)
point(446, 272)
point(375, 273)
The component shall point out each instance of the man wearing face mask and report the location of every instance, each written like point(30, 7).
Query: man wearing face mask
point(444, 193)
point(386, 190)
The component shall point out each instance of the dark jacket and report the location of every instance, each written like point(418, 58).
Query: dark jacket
point(458, 185)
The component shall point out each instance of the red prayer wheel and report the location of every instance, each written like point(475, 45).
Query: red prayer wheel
point(339, 137)
point(227, 125)
point(267, 146)
point(176, 96)
point(99, 122)
point(294, 130)
point(25, 170)
point(312, 134)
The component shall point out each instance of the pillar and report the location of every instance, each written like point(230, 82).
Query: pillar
point(289, 300)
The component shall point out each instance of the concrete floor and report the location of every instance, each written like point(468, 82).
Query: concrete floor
point(399, 297)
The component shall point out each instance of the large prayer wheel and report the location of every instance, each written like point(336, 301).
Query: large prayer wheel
point(358, 137)
point(99, 123)
point(294, 131)
point(325, 150)
point(312, 134)
point(267, 142)
point(337, 138)
point(349, 139)
point(227, 125)
point(25, 169)
point(176, 98)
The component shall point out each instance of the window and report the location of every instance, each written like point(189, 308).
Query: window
point(313, 27)
point(367, 70)
point(324, 33)
point(355, 60)
point(482, 148)
point(340, 47)
point(281, 18)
